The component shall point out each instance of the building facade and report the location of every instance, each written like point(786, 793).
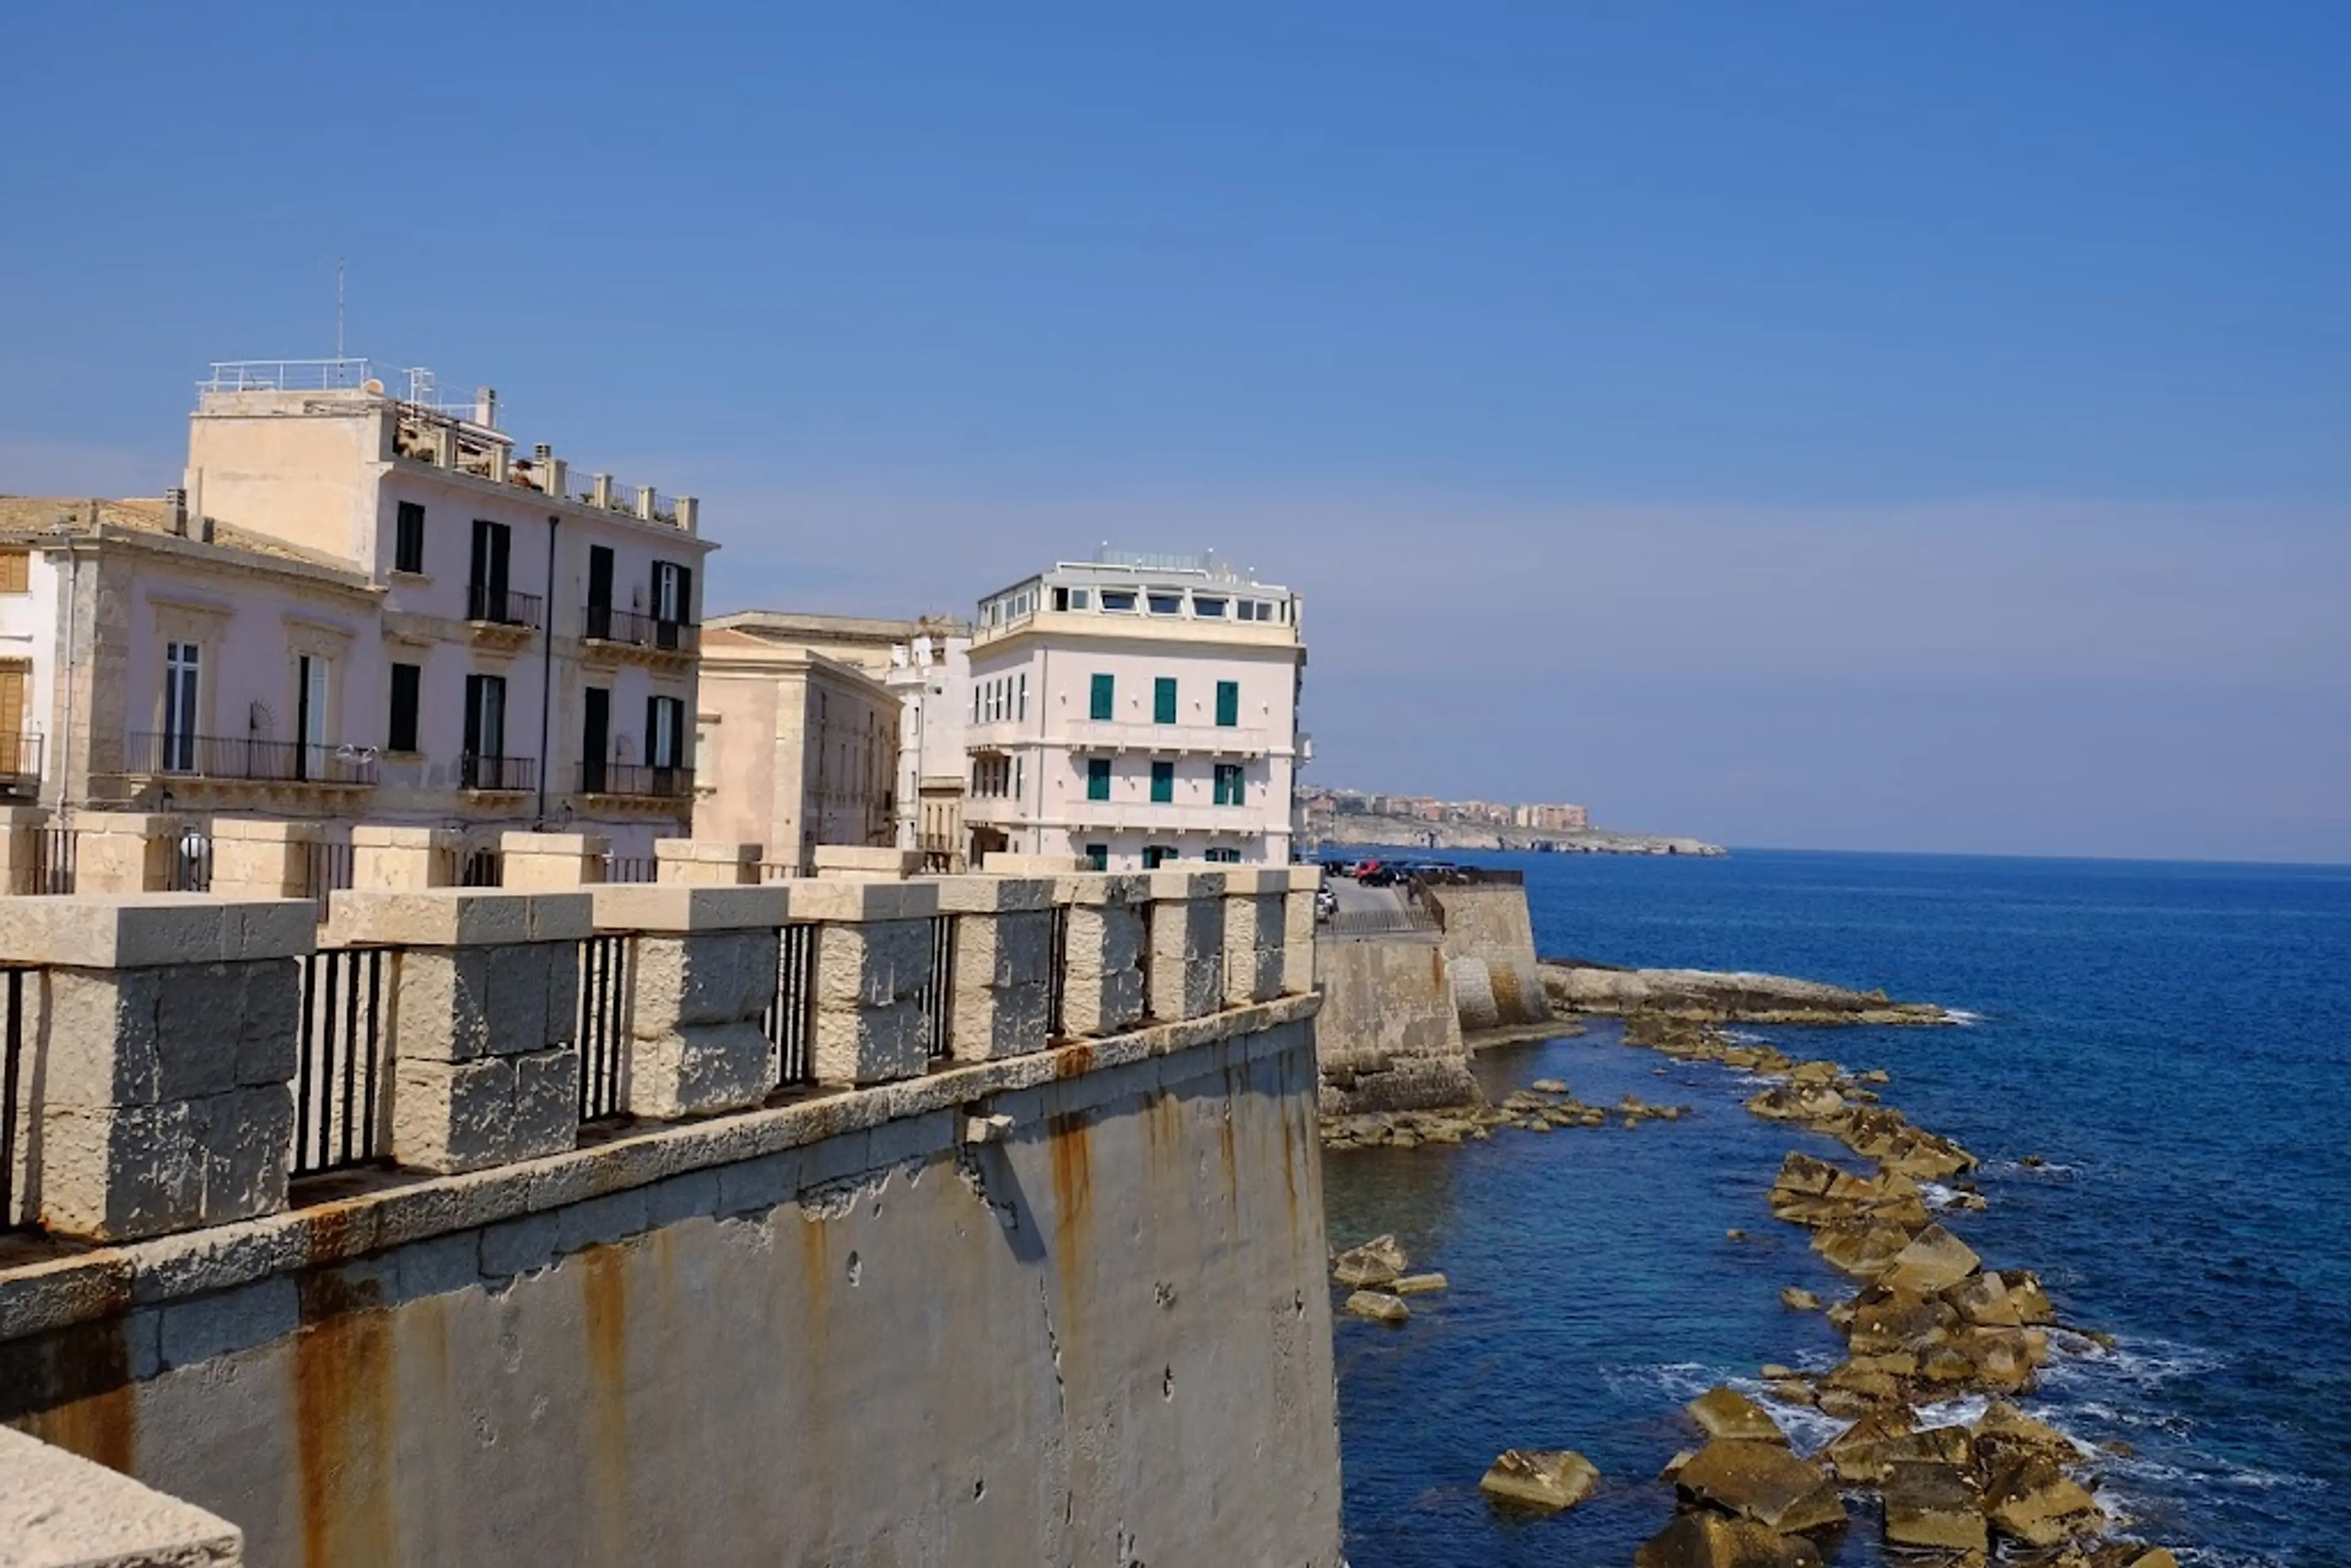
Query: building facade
point(1134, 709)
point(362, 606)
point(931, 674)
point(795, 749)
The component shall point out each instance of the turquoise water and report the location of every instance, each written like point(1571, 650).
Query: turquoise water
point(2166, 1037)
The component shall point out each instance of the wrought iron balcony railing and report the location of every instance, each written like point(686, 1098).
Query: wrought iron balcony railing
point(243, 756)
point(602, 623)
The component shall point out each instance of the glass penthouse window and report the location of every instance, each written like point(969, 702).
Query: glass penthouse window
point(1211, 609)
point(1167, 604)
point(1118, 600)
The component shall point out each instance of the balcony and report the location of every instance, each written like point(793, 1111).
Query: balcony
point(628, 629)
point(1167, 739)
point(1162, 817)
point(241, 757)
point(20, 762)
point(498, 775)
point(504, 609)
point(636, 781)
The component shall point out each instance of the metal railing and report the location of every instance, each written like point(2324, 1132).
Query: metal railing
point(294, 375)
point(602, 623)
point(636, 779)
point(632, 868)
point(1380, 922)
point(326, 867)
point(20, 759)
point(12, 1062)
point(938, 995)
point(338, 1060)
point(779, 871)
point(516, 775)
point(245, 758)
point(608, 966)
point(790, 1018)
point(504, 606)
point(1058, 959)
point(51, 868)
point(482, 868)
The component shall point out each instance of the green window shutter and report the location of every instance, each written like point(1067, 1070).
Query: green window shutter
point(1105, 697)
point(1098, 857)
point(1162, 783)
point(1097, 777)
point(1229, 703)
point(1163, 700)
point(1240, 788)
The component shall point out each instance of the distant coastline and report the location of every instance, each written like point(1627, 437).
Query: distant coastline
point(1365, 829)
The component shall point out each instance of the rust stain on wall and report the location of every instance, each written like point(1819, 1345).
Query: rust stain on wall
point(1069, 1140)
point(604, 1310)
point(1074, 1060)
point(342, 1412)
point(73, 1389)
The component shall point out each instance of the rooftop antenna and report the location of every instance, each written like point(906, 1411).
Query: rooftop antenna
point(339, 307)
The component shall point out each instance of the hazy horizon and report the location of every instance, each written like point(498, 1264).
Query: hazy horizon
point(1919, 430)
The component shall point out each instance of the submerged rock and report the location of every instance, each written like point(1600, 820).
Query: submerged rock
point(1764, 1482)
point(1378, 1306)
point(1798, 1299)
point(1376, 1263)
point(1722, 1412)
point(1548, 1481)
point(1711, 1541)
point(1418, 1285)
point(2033, 1501)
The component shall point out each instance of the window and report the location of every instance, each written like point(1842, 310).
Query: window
point(665, 732)
point(1229, 785)
point(1229, 703)
point(487, 593)
point(407, 683)
point(182, 667)
point(16, 571)
point(1098, 857)
point(1244, 611)
point(1167, 604)
point(1023, 713)
point(1162, 783)
point(1097, 777)
point(1105, 697)
point(408, 537)
point(1211, 609)
point(1224, 857)
point(1163, 700)
point(485, 731)
point(1156, 855)
point(1061, 599)
point(1119, 601)
point(1078, 599)
point(673, 601)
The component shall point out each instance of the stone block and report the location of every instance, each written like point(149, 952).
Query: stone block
point(1002, 863)
point(120, 1173)
point(129, 931)
point(124, 851)
point(991, 894)
point(451, 1116)
point(1104, 939)
point(835, 900)
point(654, 906)
point(869, 1043)
point(399, 860)
point(1298, 939)
point(864, 862)
point(1002, 1002)
point(714, 978)
point(57, 1508)
point(704, 863)
point(456, 917)
point(697, 1069)
point(143, 1036)
point(256, 859)
point(1094, 1007)
point(989, 1022)
point(1187, 953)
point(1254, 926)
point(1103, 888)
point(874, 964)
point(554, 861)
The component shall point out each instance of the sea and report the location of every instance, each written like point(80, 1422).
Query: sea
point(2151, 1071)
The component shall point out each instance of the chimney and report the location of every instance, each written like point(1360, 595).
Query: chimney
point(175, 507)
point(689, 513)
point(485, 407)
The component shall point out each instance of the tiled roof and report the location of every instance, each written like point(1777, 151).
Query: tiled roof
point(22, 515)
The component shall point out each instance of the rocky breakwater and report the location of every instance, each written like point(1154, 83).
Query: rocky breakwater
point(1927, 1324)
point(1581, 986)
point(1546, 1105)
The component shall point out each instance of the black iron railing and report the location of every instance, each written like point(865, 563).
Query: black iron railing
point(632, 868)
point(938, 995)
point(504, 607)
point(11, 1064)
point(516, 775)
point(243, 756)
point(189, 868)
point(790, 1018)
point(606, 981)
point(636, 779)
point(51, 869)
point(326, 868)
point(336, 1067)
point(482, 868)
point(20, 759)
point(602, 623)
point(1058, 993)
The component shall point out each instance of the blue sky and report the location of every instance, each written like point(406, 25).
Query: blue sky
point(1916, 426)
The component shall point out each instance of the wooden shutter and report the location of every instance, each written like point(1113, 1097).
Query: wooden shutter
point(16, 573)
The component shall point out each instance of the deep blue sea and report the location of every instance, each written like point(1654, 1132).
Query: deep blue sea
point(2170, 1039)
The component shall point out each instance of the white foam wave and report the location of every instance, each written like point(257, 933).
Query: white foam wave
point(1962, 1017)
point(2145, 1364)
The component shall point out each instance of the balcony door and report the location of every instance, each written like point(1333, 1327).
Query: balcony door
point(310, 717)
point(665, 742)
point(485, 731)
point(183, 672)
point(595, 740)
point(493, 547)
point(600, 595)
point(673, 601)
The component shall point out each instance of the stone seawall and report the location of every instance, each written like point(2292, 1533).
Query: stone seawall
point(1390, 1033)
point(1490, 938)
point(1065, 1308)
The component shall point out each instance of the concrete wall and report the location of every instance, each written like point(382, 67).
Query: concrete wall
point(1490, 940)
point(830, 1332)
point(1389, 1036)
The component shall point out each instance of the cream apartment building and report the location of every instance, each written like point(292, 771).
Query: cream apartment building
point(931, 674)
point(364, 605)
point(1134, 709)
